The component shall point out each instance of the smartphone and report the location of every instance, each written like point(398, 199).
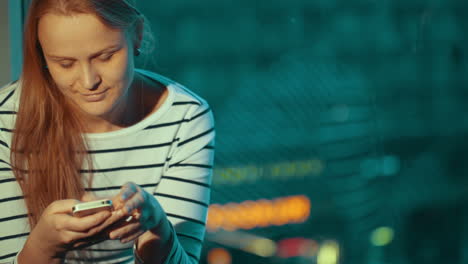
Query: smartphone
point(87, 208)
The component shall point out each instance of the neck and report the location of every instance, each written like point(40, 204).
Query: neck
point(129, 111)
point(144, 97)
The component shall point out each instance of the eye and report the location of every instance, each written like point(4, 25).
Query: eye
point(66, 65)
point(106, 56)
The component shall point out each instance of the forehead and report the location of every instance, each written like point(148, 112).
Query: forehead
point(76, 34)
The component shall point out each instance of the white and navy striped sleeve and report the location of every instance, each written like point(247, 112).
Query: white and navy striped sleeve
point(13, 216)
point(6, 180)
point(184, 189)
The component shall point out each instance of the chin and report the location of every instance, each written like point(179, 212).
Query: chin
point(96, 111)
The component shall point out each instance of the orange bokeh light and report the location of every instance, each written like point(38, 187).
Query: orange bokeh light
point(260, 213)
point(219, 256)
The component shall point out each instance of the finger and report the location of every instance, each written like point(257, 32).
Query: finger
point(125, 220)
point(83, 240)
point(146, 215)
point(63, 206)
point(134, 203)
point(128, 190)
point(80, 244)
point(104, 228)
point(68, 238)
point(132, 236)
point(86, 242)
point(114, 219)
point(83, 224)
point(125, 230)
point(135, 215)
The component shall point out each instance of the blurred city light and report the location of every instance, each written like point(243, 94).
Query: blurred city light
point(247, 242)
point(260, 213)
point(275, 171)
point(297, 246)
point(380, 166)
point(219, 256)
point(382, 236)
point(261, 247)
point(329, 253)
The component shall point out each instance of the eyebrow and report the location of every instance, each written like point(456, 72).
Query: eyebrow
point(54, 57)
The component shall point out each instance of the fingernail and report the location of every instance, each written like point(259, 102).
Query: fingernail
point(125, 195)
point(114, 236)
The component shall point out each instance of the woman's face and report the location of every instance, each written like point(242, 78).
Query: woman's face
point(91, 64)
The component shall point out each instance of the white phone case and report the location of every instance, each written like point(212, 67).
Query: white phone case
point(87, 208)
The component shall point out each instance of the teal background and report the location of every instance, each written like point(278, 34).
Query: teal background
point(374, 90)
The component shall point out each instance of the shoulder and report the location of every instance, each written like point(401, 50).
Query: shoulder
point(194, 105)
point(9, 96)
point(198, 116)
point(9, 101)
point(179, 95)
point(190, 111)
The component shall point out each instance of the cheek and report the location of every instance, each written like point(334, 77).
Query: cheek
point(115, 75)
point(118, 72)
point(63, 81)
point(122, 68)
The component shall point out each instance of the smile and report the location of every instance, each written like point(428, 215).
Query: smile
point(95, 97)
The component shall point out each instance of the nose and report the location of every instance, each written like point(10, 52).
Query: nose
point(90, 78)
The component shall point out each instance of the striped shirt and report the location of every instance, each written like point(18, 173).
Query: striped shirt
point(169, 154)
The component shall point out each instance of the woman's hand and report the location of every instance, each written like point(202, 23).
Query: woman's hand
point(57, 230)
point(143, 212)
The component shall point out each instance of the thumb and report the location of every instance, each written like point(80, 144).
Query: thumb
point(88, 197)
point(63, 206)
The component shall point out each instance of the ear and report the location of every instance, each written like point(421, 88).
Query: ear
point(138, 35)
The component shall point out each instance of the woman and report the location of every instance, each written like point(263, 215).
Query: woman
point(82, 124)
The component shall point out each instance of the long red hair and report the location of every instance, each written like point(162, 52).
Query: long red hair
point(48, 147)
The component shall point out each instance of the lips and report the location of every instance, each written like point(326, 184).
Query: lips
point(95, 97)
